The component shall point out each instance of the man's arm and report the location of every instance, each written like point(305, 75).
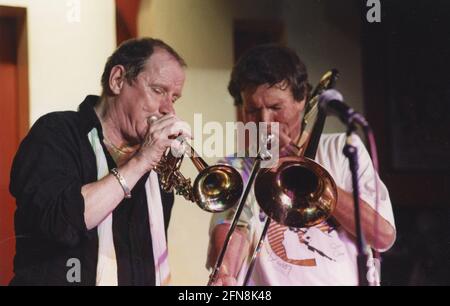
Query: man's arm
point(103, 196)
point(377, 226)
point(237, 252)
point(380, 239)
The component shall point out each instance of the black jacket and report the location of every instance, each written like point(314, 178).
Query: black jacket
point(52, 164)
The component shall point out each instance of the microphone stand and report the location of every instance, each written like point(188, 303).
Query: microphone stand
point(351, 153)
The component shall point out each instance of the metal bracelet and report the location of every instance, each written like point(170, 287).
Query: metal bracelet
point(122, 182)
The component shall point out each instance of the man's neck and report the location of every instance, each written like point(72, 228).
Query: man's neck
point(109, 117)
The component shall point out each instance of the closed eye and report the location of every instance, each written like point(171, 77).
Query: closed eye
point(175, 98)
point(276, 107)
point(251, 110)
point(159, 90)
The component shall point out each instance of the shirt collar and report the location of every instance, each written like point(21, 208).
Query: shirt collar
point(88, 117)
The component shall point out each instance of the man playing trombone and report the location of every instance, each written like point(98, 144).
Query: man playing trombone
point(270, 84)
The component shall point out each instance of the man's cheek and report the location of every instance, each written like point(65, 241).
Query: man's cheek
point(251, 118)
point(284, 129)
point(142, 130)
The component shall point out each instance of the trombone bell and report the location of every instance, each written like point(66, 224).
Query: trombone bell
point(297, 193)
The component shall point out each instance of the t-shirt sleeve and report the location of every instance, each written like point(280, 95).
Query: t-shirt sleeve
point(367, 179)
point(46, 182)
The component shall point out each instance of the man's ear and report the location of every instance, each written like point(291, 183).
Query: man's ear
point(300, 105)
point(116, 79)
point(240, 112)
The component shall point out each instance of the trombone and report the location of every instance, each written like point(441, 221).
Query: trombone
point(297, 192)
point(216, 188)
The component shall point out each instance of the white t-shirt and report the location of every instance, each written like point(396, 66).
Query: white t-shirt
point(321, 255)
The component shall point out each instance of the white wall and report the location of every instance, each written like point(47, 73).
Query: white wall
point(66, 58)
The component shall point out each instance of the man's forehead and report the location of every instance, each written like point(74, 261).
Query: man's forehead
point(163, 64)
point(161, 57)
point(266, 90)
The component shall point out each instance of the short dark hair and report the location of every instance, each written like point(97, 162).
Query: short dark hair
point(133, 54)
point(269, 64)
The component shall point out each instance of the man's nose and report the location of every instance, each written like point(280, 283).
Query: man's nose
point(265, 116)
point(166, 107)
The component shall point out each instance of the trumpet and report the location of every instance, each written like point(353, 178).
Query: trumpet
point(215, 189)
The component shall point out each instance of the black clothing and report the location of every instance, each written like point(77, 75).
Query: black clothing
point(52, 164)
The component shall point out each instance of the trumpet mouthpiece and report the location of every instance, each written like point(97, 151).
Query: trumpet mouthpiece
point(152, 119)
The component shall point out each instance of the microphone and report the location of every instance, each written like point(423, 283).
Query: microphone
point(332, 102)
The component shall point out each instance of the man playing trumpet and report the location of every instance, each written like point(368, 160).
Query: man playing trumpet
point(86, 196)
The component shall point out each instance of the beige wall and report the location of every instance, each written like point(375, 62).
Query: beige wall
point(66, 58)
point(201, 31)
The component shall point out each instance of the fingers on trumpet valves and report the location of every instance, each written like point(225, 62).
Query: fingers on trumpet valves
point(172, 128)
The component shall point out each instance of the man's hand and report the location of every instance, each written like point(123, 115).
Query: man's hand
point(235, 255)
point(285, 141)
point(225, 280)
point(162, 134)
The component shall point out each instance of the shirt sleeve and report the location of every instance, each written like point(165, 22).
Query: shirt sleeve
point(367, 178)
point(46, 182)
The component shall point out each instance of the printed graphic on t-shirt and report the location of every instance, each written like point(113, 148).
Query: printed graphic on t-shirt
point(302, 246)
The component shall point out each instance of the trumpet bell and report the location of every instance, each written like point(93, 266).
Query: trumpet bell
point(297, 193)
point(218, 188)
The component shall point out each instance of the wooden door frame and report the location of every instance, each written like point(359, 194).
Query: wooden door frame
point(20, 15)
point(16, 16)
